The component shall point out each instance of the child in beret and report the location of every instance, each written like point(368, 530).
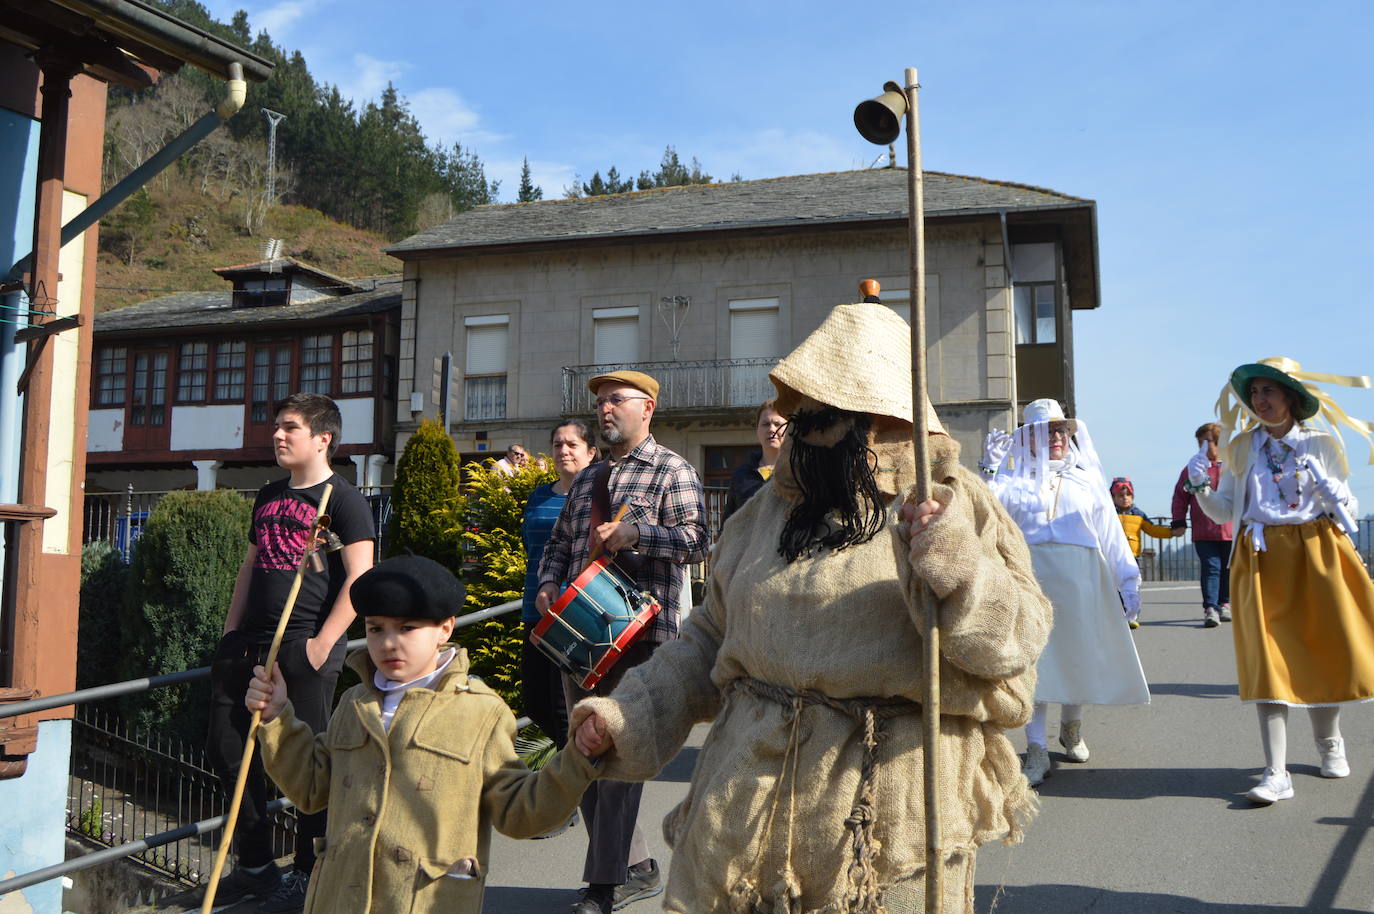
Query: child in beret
point(418, 763)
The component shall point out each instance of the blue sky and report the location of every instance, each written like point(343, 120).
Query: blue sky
point(1228, 146)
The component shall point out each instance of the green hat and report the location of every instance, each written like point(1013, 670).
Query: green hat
point(1307, 405)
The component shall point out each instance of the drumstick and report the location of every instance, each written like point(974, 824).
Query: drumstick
point(596, 550)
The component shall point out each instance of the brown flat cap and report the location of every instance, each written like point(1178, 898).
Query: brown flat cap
point(636, 379)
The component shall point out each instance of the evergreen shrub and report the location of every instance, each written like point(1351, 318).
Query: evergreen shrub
point(494, 570)
point(103, 575)
point(425, 496)
point(179, 586)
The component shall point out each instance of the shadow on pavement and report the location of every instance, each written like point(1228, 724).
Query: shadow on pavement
point(1087, 782)
point(1082, 899)
point(1195, 689)
point(499, 898)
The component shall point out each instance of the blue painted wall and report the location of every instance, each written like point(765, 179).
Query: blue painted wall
point(18, 200)
point(33, 826)
point(33, 822)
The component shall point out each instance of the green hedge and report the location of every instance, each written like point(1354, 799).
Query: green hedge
point(180, 583)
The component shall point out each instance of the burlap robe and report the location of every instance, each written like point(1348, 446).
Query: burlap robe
point(786, 658)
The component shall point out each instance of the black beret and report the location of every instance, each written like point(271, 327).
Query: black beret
point(407, 587)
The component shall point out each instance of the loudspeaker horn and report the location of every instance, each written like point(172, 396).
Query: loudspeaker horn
point(879, 120)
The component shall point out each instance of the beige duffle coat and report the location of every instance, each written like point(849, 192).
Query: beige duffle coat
point(408, 803)
point(763, 826)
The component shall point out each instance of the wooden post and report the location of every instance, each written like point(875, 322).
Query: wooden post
point(232, 819)
point(916, 237)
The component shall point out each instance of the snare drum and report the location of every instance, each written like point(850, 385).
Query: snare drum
point(593, 622)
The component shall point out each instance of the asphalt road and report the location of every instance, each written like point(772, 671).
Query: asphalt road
point(1155, 821)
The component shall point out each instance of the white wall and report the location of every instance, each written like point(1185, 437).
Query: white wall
point(105, 431)
point(200, 428)
point(357, 419)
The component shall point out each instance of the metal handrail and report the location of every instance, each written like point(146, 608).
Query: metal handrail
point(204, 826)
point(130, 686)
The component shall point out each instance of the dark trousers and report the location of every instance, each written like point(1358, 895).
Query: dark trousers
point(610, 808)
point(1215, 559)
point(311, 692)
point(541, 691)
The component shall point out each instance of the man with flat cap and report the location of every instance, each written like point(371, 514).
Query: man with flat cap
point(662, 530)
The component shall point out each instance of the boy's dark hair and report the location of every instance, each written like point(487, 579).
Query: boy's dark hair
point(319, 413)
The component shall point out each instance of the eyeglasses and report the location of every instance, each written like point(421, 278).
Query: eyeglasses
point(615, 400)
point(1059, 431)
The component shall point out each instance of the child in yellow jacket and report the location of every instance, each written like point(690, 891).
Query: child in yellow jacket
point(418, 763)
point(1133, 520)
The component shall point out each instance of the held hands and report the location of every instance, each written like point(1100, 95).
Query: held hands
point(265, 694)
point(614, 536)
point(995, 449)
point(592, 739)
point(1198, 466)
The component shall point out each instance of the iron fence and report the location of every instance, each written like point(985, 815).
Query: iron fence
point(1174, 559)
point(118, 518)
point(701, 385)
point(124, 785)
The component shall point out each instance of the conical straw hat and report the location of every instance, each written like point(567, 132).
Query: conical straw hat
point(858, 359)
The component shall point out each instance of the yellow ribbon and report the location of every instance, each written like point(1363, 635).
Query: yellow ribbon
point(1236, 415)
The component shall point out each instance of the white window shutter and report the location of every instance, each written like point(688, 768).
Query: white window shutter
point(616, 341)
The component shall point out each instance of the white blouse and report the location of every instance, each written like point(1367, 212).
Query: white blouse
point(393, 692)
point(1072, 513)
point(1263, 501)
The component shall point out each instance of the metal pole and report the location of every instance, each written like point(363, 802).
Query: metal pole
point(921, 429)
point(273, 119)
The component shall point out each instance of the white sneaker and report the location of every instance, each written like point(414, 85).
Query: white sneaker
point(1210, 619)
point(1037, 766)
point(1274, 786)
point(1224, 613)
point(1071, 738)
point(1334, 764)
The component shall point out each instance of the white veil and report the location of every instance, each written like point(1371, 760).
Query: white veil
point(1024, 476)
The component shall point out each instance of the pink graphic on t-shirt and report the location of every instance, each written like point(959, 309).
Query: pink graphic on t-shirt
point(283, 529)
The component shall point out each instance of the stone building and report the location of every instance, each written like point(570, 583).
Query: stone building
point(705, 287)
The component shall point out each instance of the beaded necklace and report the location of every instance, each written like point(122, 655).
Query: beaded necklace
point(1274, 458)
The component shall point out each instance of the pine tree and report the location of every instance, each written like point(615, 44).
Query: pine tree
point(529, 192)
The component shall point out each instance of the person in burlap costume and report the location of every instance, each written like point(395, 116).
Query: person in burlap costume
point(807, 655)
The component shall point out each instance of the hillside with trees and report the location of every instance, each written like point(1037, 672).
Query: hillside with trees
point(348, 179)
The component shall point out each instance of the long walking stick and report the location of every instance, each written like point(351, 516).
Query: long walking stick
point(916, 243)
point(321, 521)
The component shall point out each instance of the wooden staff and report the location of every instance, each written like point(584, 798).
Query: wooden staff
point(596, 550)
point(251, 741)
point(916, 238)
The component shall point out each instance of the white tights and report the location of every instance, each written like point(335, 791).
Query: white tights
point(1273, 721)
point(1035, 730)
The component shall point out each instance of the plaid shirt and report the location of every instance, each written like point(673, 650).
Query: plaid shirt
point(666, 504)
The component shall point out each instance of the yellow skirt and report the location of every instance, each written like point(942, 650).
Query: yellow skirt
point(1304, 617)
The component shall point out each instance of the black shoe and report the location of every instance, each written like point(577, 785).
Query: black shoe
point(241, 884)
point(289, 896)
point(596, 899)
point(643, 883)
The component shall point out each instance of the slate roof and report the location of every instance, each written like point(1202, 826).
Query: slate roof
point(285, 265)
point(193, 310)
point(836, 198)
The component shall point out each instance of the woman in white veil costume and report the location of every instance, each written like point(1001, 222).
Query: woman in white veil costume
point(1048, 476)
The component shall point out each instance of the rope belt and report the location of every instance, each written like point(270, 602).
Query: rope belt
point(863, 896)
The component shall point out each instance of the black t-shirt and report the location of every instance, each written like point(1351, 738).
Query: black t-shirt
point(282, 517)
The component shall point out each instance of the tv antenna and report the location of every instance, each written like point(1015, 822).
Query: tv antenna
point(273, 119)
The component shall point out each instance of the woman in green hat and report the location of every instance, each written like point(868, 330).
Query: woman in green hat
point(1303, 603)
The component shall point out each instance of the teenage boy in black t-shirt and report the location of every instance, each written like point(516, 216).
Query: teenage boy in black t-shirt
point(308, 427)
